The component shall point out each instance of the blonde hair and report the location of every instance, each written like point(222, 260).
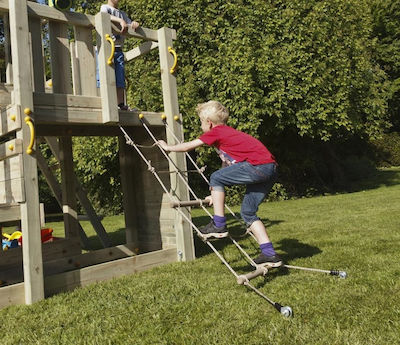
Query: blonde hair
point(213, 111)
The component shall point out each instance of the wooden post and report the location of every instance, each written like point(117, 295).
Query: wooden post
point(184, 235)
point(108, 90)
point(23, 96)
point(128, 172)
point(62, 83)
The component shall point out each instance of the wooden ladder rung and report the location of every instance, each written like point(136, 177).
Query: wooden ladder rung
point(190, 203)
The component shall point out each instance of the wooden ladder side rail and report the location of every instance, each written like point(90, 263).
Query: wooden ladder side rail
point(56, 189)
point(184, 234)
point(83, 199)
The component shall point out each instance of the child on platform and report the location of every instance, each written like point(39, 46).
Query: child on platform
point(246, 161)
point(121, 18)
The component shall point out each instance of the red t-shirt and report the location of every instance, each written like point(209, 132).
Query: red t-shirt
point(236, 146)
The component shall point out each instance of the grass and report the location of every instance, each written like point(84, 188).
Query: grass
point(199, 302)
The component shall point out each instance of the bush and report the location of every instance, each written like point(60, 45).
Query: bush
point(387, 150)
point(300, 75)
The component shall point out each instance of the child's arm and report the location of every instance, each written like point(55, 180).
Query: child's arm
point(121, 22)
point(182, 147)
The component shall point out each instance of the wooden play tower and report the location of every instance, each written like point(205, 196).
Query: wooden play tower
point(32, 113)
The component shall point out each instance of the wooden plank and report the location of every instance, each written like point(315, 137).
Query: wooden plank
point(10, 119)
point(10, 148)
point(38, 77)
point(106, 271)
point(66, 100)
point(12, 191)
point(184, 234)
point(9, 213)
point(30, 219)
point(12, 295)
point(89, 259)
point(108, 90)
point(143, 49)
point(60, 58)
point(51, 250)
point(11, 168)
point(76, 80)
point(86, 60)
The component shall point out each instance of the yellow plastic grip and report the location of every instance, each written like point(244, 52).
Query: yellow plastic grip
point(111, 58)
point(30, 124)
point(173, 52)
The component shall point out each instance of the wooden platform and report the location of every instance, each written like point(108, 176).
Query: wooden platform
point(60, 114)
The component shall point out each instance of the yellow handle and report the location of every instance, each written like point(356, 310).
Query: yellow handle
point(111, 58)
point(30, 124)
point(173, 52)
point(14, 236)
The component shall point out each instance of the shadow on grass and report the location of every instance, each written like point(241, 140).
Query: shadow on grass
point(375, 179)
point(236, 230)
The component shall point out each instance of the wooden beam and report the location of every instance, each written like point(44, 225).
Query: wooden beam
point(30, 217)
point(46, 12)
point(66, 100)
point(143, 49)
point(129, 172)
point(83, 199)
point(56, 190)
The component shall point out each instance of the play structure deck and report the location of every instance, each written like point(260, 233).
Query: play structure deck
point(33, 113)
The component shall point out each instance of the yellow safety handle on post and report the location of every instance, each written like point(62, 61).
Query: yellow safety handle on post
point(28, 121)
point(111, 58)
point(173, 52)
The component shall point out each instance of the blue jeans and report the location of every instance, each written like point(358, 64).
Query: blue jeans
point(258, 179)
point(119, 66)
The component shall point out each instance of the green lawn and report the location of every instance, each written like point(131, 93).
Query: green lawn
point(200, 303)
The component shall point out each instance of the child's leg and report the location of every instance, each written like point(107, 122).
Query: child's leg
point(218, 198)
point(119, 66)
point(259, 231)
point(120, 95)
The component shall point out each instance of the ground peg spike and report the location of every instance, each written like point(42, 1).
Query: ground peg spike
point(340, 274)
point(285, 311)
